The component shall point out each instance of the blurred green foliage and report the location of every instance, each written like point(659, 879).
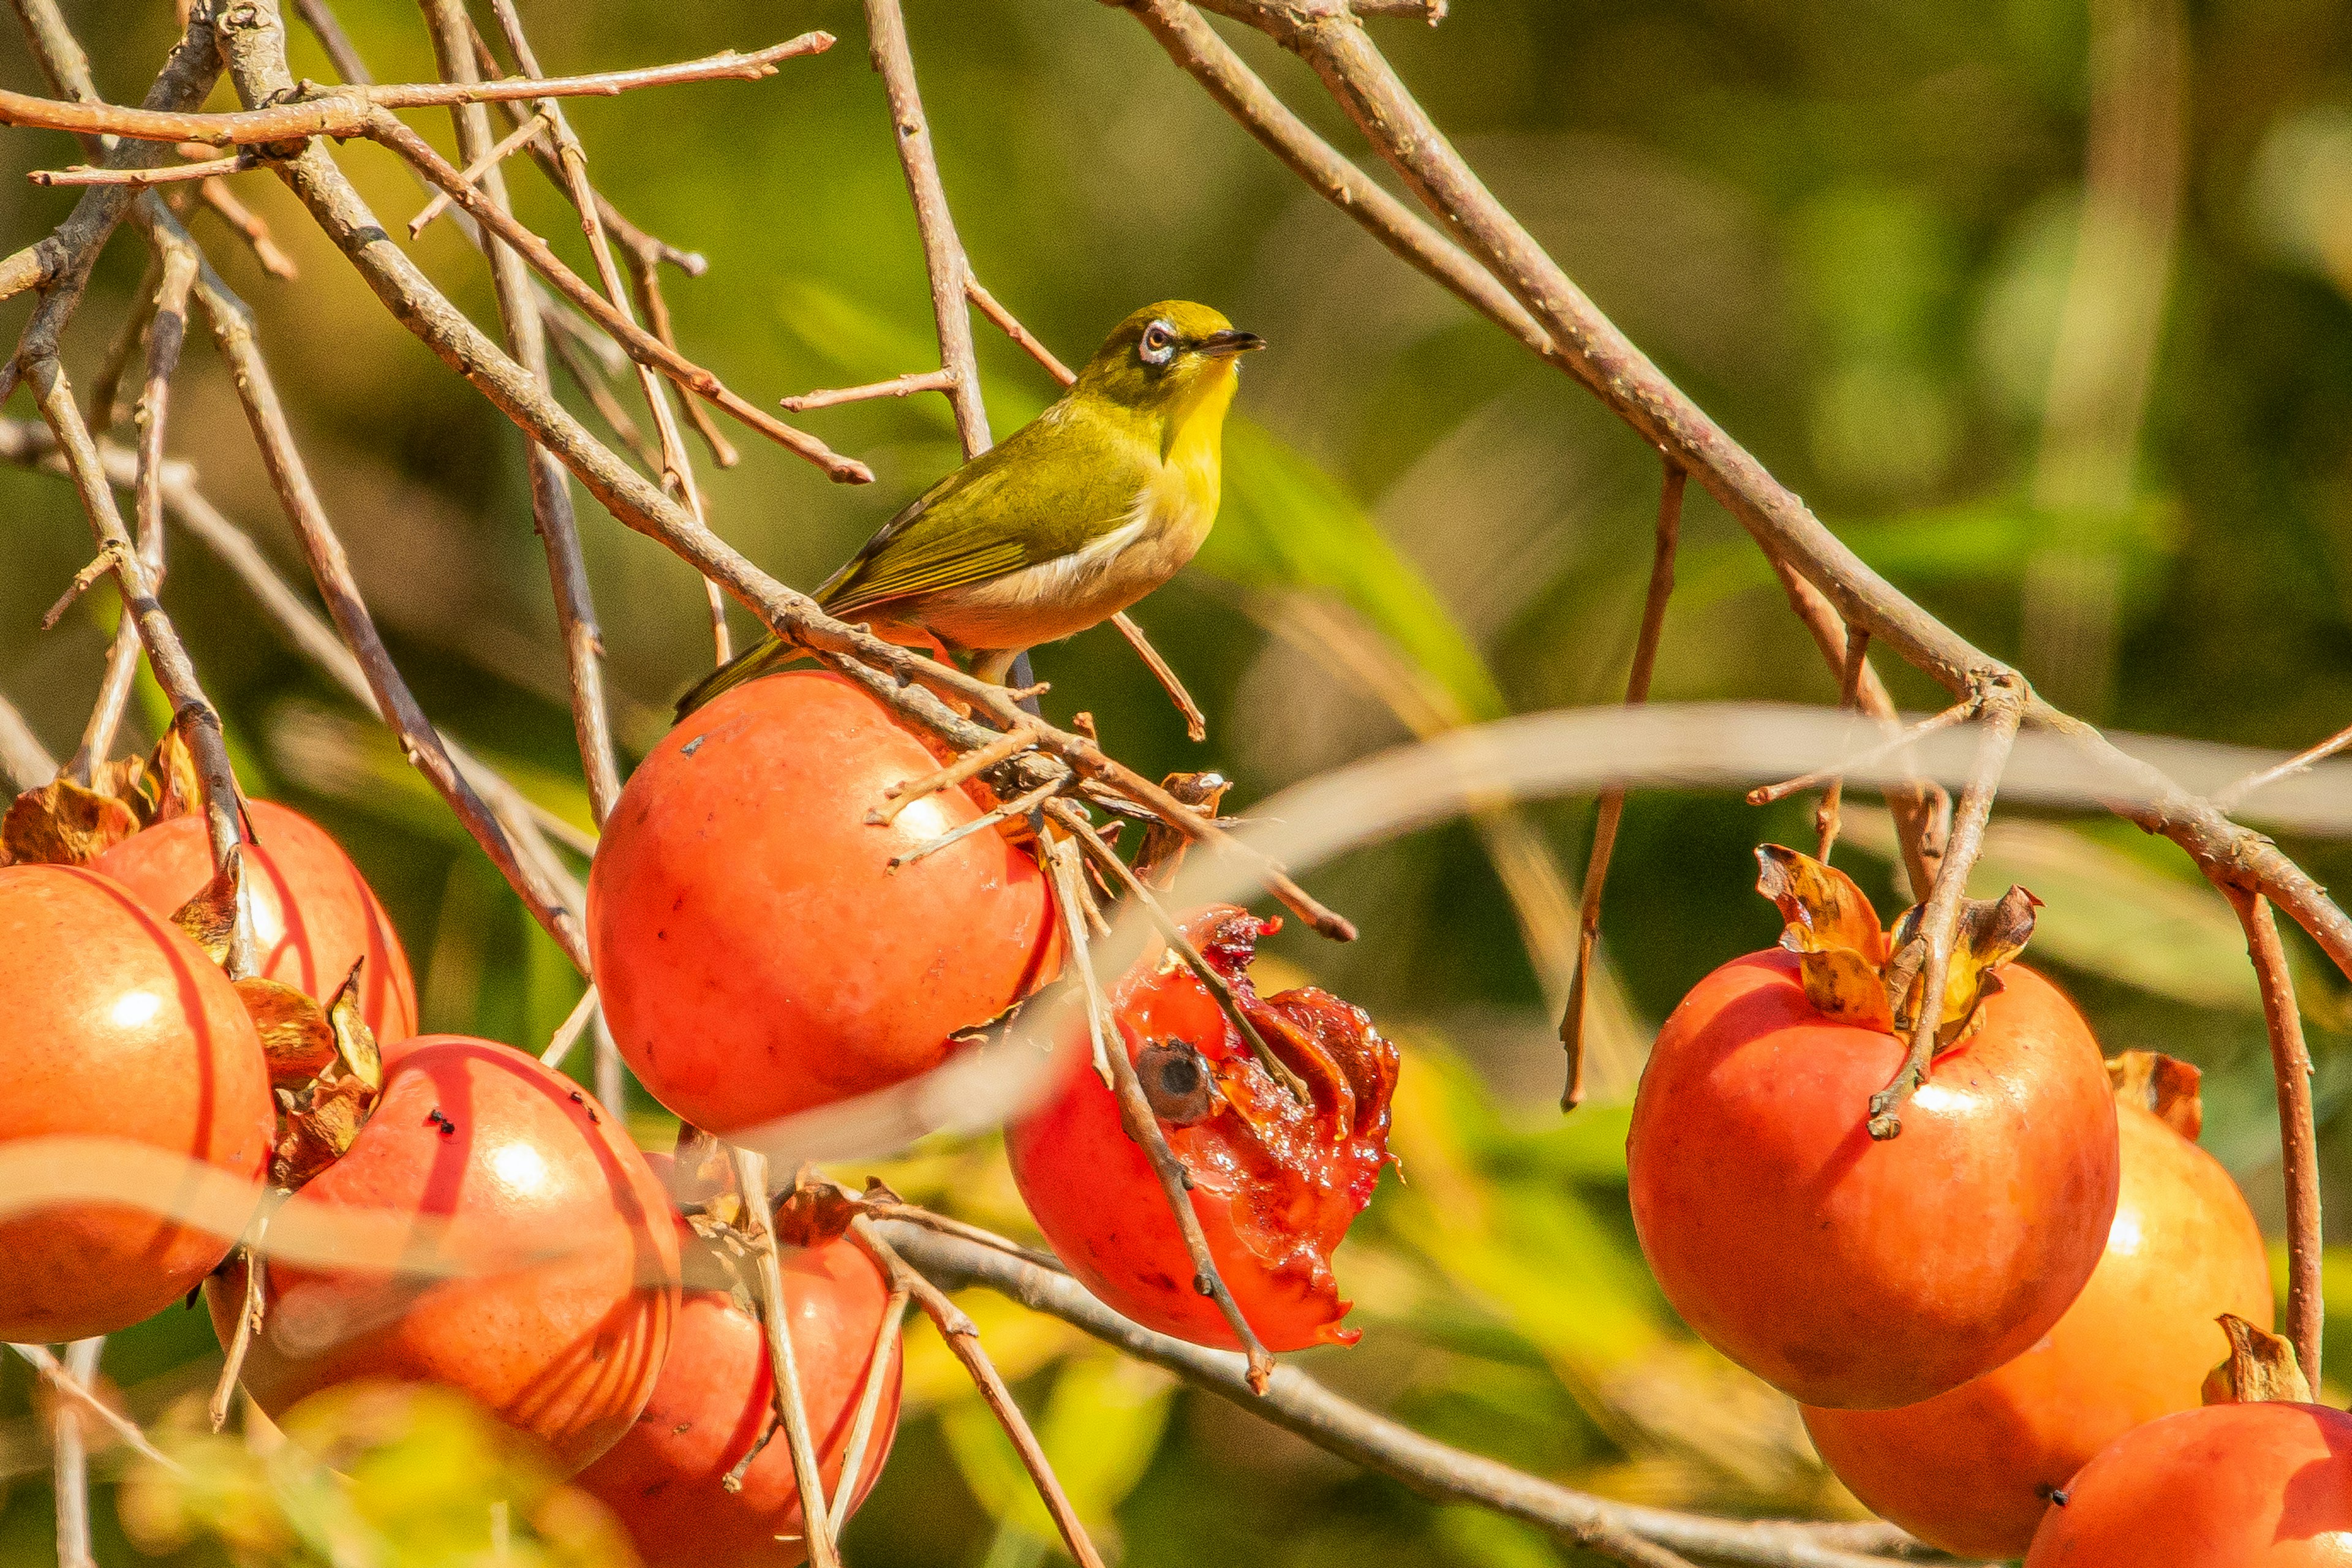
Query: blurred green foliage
point(1860, 235)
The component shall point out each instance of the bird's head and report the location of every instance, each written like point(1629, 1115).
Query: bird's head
point(1167, 360)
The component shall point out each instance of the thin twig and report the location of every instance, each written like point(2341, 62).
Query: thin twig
point(167, 333)
point(71, 1460)
point(1296, 1401)
point(1196, 724)
point(551, 489)
point(1019, 805)
point(472, 173)
point(1142, 1125)
point(250, 1310)
point(898, 797)
point(1826, 814)
point(869, 1402)
point(2002, 707)
point(346, 109)
point(252, 226)
point(1765, 794)
point(574, 1024)
point(53, 1372)
point(896, 386)
point(1611, 806)
point(2228, 798)
point(752, 1184)
point(2298, 1138)
point(943, 257)
point(676, 469)
point(962, 1337)
point(163, 174)
point(1012, 328)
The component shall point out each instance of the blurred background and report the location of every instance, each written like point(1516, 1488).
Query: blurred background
point(2044, 308)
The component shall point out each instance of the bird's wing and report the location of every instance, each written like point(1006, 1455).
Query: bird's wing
point(1043, 494)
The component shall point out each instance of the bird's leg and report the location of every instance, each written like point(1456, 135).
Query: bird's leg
point(992, 665)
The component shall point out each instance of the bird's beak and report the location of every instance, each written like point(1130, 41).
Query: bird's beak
point(1225, 344)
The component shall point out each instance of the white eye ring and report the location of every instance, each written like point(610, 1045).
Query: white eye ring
point(1159, 343)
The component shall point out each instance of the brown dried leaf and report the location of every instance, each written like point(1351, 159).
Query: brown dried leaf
point(701, 1174)
point(173, 786)
point(295, 1037)
point(210, 918)
point(354, 1042)
point(2163, 1086)
point(2262, 1368)
point(1841, 948)
point(125, 779)
point(1162, 850)
point(1989, 933)
point(64, 824)
point(316, 1136)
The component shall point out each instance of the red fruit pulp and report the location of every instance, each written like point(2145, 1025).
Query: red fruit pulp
point(2228, 1486)
point(756, 953)
point(1971, 1470)
point(313, 914)
point(1864, 1275)
point(115, 1024)
point(1277, 1184)
point(552, 1265)
point(715, 1399)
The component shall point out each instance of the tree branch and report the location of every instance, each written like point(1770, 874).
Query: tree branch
point(2298, 1137)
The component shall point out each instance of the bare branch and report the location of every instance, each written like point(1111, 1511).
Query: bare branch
point(163, 175)
point(2298, 1136)
point(1296, 1401)
point(896, 386)
point(348, 109)
point(943, 257)
point(808, 1475)
point(2301, 762)
point(216, 194)
point(53, 1372)
point(1612, 807)
point(1012, 329)
point(1196, 724)
point(71, 1460)
point(962, 1337)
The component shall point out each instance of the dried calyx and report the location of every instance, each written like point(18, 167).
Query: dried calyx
point(2163, 1086)
point(67, 823)
point(2262, 1368)
point(1858, 972)
point(320, 1111)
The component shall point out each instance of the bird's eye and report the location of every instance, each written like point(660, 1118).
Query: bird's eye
point(1159, 343)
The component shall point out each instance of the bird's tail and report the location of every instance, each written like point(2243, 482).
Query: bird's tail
point(770, 652)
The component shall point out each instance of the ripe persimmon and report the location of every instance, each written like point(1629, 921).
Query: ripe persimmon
point(757, 952)
point(113, 1024)
point(1847, 1271)
point(1972, 1471)
point(533, 1265)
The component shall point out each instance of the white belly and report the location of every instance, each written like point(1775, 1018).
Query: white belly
point(1059, 599)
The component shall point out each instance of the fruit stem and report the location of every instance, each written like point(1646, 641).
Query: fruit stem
point(2298, 1138)
point(249, 1314)
point(2002, 701)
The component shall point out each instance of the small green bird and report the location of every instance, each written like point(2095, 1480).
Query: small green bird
point(1079, 514)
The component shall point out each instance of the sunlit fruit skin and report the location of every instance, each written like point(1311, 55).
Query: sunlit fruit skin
point(756, 953)
point(1274, 1193)
point(1862, 1275)
point(115, 1024)
point(313, 914)
point(2226, 1486)
point(1971, 1471)
point(567, 1285)
point(664, 1478)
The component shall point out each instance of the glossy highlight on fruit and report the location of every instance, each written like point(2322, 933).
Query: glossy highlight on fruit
point(313, 913)
point(756, 953)
point(1851, 1273)
point(665, 1478)
point(115, 1024)
point(1275, 1183)
point(1971, 1471)
point(2228, 1486)
point(552, 1265)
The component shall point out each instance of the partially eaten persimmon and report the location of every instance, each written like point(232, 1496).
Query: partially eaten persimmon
point(1276, 1181)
